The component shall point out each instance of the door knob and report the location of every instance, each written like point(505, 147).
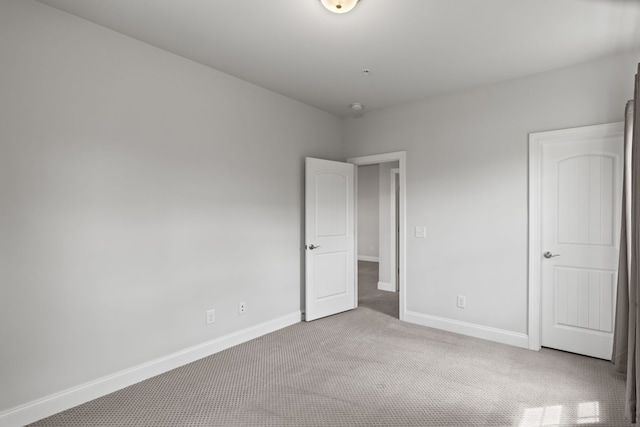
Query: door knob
point(312, 246)
point(548, 255)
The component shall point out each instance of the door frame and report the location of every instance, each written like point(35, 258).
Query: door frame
point(401, 157)
point(393, 200)
point(537, 141)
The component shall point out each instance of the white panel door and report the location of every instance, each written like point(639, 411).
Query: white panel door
point(330, 285)
point(581, 205)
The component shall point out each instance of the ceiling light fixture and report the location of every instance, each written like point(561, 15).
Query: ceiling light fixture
point(356, 106)
point(339, 6)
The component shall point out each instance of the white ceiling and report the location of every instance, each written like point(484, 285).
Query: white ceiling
point(414, 48)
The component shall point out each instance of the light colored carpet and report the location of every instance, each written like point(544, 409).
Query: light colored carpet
point(365, 368)
point(368, 294)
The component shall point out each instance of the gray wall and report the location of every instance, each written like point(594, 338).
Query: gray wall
point(137, 190)
point(467, 155)
point(368, 208)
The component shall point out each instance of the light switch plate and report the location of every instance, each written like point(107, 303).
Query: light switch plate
point(421, 232)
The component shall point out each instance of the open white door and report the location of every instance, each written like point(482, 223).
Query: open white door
point(581, 176)
point(330, 285)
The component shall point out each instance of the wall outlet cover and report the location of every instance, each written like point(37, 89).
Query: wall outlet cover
point(211, 316)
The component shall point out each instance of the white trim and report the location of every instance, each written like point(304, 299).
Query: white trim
point(355, 235)
point(536, 143)
point(52, 404)
point(535, 155)
point(368, 258)
point(392, 240)
point(470, 329)
point(386, 286)
point(401, 157)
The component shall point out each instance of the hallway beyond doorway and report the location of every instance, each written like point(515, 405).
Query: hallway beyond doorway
point(370, 296)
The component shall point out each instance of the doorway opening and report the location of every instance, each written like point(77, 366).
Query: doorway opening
point(379, 237)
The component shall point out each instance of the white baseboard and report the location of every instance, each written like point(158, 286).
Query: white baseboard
point(469, 329)
point(386, 286)
point(368, 258)
point(47, 406)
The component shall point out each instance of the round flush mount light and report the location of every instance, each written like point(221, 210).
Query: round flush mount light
point(339, 6)
point(356, 106)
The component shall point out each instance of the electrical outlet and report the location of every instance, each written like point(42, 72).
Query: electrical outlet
point(462, 301)
point(242, 307)
point(421, 232)
point(211, 316)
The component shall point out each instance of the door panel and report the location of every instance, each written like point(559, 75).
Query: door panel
point(331, 204)
point(585, 202)
point(331, 277)
point(330, 238)
point(581, 194)
point(584, 298)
